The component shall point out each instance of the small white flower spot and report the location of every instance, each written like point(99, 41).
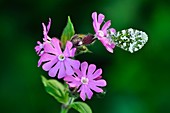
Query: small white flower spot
point(61, 57)
point(100, 33)
point(84, 80)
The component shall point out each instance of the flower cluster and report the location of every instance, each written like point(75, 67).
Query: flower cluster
point(81, 79)
point(59, 60)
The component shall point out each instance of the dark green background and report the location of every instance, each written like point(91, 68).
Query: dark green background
point(137, 83)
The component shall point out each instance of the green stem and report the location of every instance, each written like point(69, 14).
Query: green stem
point(65, 107)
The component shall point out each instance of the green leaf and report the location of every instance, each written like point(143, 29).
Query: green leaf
point(56, 89)
point(68, 32)
point(130, 40)
point(81, 107)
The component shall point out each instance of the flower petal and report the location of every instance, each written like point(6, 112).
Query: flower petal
point(109, 48)
point(72, 52)
point(71, 78)
point(112, 31)
point(69, 70)
point(49, 24)
point(53, 71)
point(45, 57)
point(78, 72)
point(88, 92)
point(44, 28)
point(82, 93)
point(106, 26)
point(69, 45)
point(100, 18)
point(48, 48)
point(56, 43)
point(37, 49)
point(61, 73)
point(101, 82)
point(94, 17)
point(72, 85)
point(38, 42)
point(96, 26)
point(91, 69)
point(84, 66)
point(74, 63)
point(72, 81)
point(97, 73)
point(68, 48)
point(94, 87)
point(107, 44)
point(47, 66)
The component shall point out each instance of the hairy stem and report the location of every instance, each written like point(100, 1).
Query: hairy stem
point(65, 107)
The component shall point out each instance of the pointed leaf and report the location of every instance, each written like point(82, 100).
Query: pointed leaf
point(81, 107)
point(68, 32)
point(56, 89)
point(130, 40)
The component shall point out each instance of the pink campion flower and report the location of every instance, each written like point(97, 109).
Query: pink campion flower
point(40, 46)
point(102, 33)
point(55, 61)
point(86, 79)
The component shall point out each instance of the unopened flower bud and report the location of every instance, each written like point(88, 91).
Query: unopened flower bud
point(88, 39)
point(81, 39)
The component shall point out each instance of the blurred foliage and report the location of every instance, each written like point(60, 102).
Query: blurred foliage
point(137, 83)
